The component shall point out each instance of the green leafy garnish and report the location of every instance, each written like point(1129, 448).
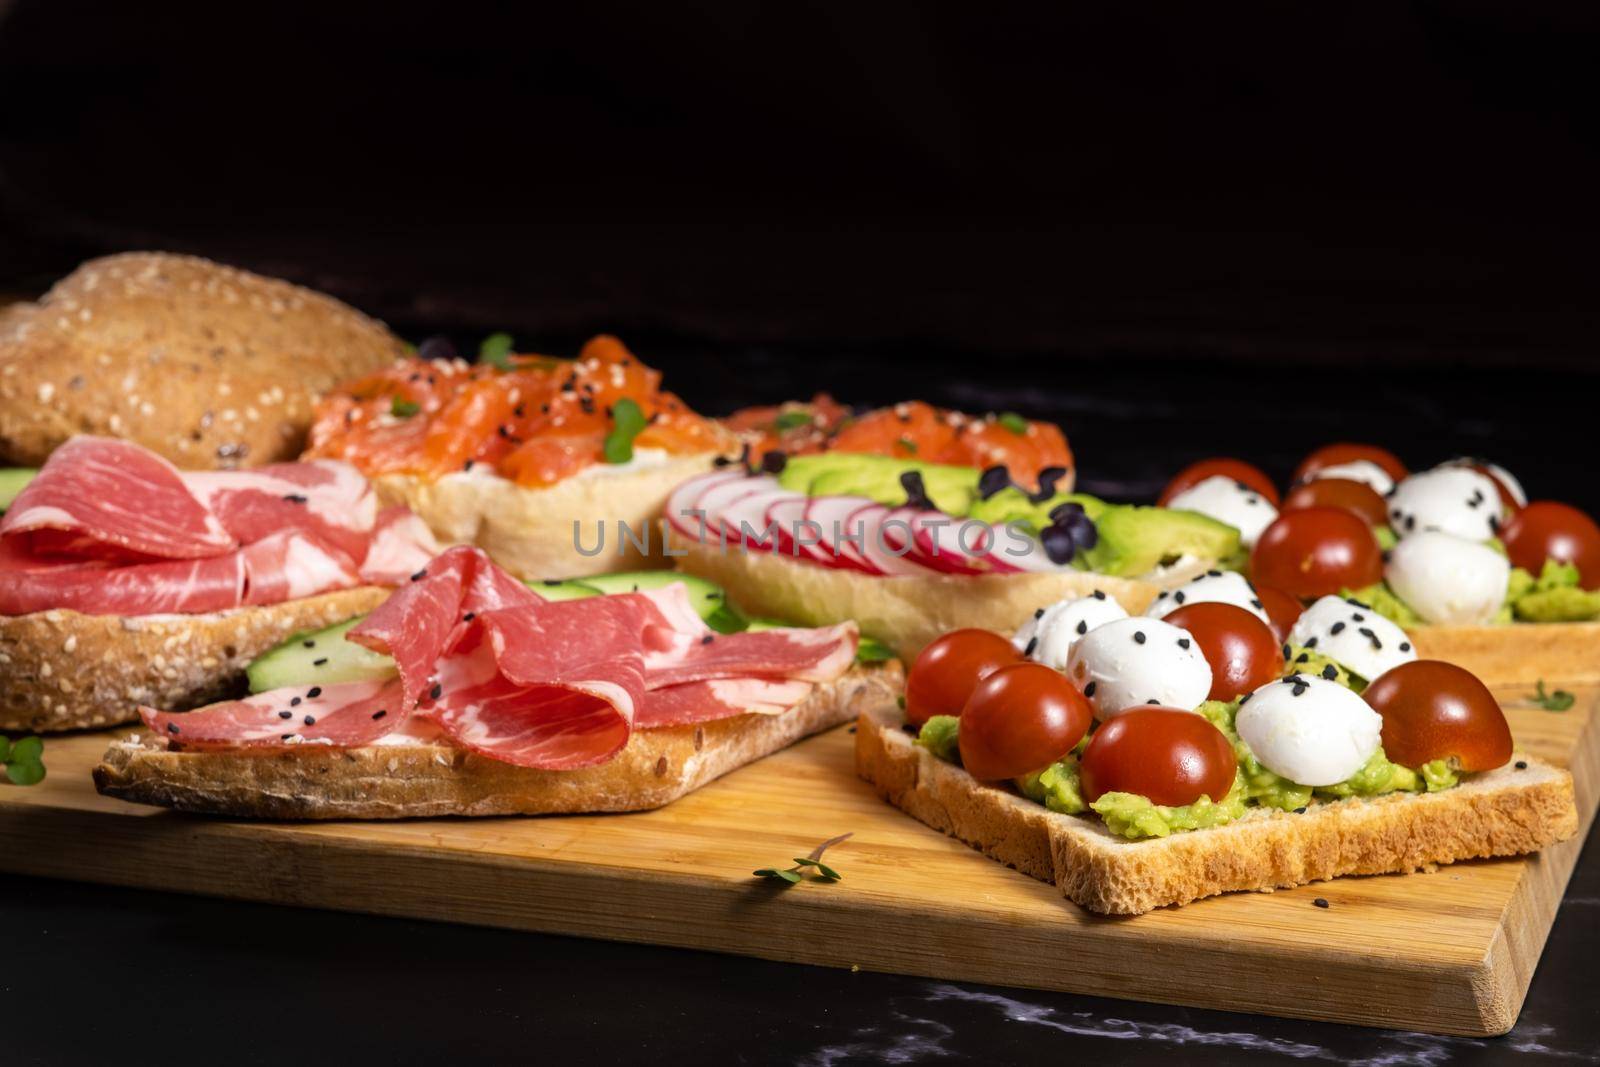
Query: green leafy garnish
point(1013, 422)
point(870, 651)
point(1557, 700)
point(23, 760)
point(496, 351)
point(403, 409)
point(908, 444)
point(789, 420)
point(626, 422)
point(809, 867)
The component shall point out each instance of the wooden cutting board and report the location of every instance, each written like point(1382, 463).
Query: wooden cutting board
point(1448, 952)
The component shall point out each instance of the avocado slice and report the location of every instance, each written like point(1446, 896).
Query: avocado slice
point(1013, 505)
point(318, 657)
point(12, 481)
point(950, 489)
point(1135, 540)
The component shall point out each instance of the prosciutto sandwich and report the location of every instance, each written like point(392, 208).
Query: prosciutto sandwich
point(124, 581)
point(503, 702)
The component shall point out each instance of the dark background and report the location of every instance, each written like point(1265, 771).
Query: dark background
point(1179, 229)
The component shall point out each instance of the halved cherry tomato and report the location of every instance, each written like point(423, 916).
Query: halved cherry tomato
point(1280, 607)
point(1357, 497)
point(1545, 530)
point(1313, 552)
point(1167, 754)
point(1234, 469)
point(1433, 710)
point(1243, 653)
point(1019, 719)
point(945, 672)
point(1508, 499)
point(1347, 452)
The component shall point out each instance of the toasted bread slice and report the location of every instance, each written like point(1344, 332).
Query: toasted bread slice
point(417, 780)
point(1518, 808)
point(208, 365)
point(905, 612)
point(1519, 653)
point(556, 531)
point(67, 671)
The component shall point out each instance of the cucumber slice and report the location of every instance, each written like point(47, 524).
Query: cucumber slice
point(11, 482)
point(572, 589)
point(709, 601)
point(868, 650)
point(317, 657)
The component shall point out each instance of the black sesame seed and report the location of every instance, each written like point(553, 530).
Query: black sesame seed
point(469, 616)
point(1285, 651)
point(1330, 672)
point(309, 644)
point(1300, 810)
point(1183, 642)
point(1088, 690)
point(311, 720)
point(314, 692)
point(1033, 643)
point(319, 662)
point(1321, 902)
point(1522, 764)
point(1098, 595)
point(1039, 614)
point(708, 638)
point(1405, 646)
point(434, 693)
point(1178, 597)
point(1254, 602)
point(380, 713)
point(417, 577)
point(172, 727)
point(1304, 657)
point(1083, 627)
point(287, 736)
point(1245, 699)
point(1162, 595)
point(1213, 574)
point(467, 466)
point(1356, 616)
point(1152, 700)
point(1311, 642)
point(1138, 636)
point(294, 702)
point(1336, 628)
point(295, 498)
point(285, 714)
point(1299, 687)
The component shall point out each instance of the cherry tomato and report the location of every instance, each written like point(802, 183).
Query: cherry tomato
point(1357, 497)
point(1243, 653)
point(1508, 499)
point(1548, 530)
point(1019, 719)
point(1281, 608)
point(945, 672)
point(1234, 469)
point(1345, 452)
point(1313, 552)
point(1167, 754)
point(1434, 710)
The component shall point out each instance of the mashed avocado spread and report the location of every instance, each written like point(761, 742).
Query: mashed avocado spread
point(1554, 596)
point(1136, 818)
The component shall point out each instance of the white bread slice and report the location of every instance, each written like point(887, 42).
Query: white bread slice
point(64, 670)
point(904, 612)
point(425, 780)
point(1504, 812)
point(1519, 653)
point(530, 532)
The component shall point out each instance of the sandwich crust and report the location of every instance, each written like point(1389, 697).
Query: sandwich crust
point(207, 365)
point(64, 670)
point(1504, 812)
point(1519, 653)
point(430, 779)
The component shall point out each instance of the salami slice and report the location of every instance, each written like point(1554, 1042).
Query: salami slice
point(344, 715)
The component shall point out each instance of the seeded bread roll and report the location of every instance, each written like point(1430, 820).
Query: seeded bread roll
point(67, 671)
point(208, 365)
point(425, 779)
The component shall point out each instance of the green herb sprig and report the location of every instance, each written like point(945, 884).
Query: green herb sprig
point(1013, 422)
point(402, 408)
point(496, 351)
point(627, 419)
point(789, 420)
point(1556, 700)
point(806, 868)
point(23, 760)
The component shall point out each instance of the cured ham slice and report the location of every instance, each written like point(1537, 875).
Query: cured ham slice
point(718, 698)
point(344, 715)
point(108, 528)
point(106, 499)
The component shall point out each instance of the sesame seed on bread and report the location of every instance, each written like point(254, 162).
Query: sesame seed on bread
point(432, 778)
point(68, 671)
point(208, 365)
point(1515, 809)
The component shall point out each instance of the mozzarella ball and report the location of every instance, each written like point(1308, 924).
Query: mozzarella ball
point(1448, 579)
point(1457, 500)
point(1231, 502)
point(1129, 662)
point(1359, 470)
point(1212, 587)
point(1352, 635)
point(1507, 479)
point(1049, 635)
point(1310, 731)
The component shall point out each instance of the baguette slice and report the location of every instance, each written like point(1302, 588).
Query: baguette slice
point(530, 532)
point(1521, 653)
point(68, 671)
point(207, 365)
point(905, 612)
point(424, 780)
point(1504, 812)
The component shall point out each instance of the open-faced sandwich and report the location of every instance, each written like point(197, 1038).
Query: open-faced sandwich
point(206, 365)
point(913, 520)
point(467, 692)
point(124, 581)
point(559, 468)
point(1455, 555)
point(1139, 762)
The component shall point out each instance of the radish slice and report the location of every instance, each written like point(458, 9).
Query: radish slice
point(934, 535)
point(797, 536)
point(751, 511)
point(885, 556)
point(838, 539)
point(683, 498)
point(714, 502)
